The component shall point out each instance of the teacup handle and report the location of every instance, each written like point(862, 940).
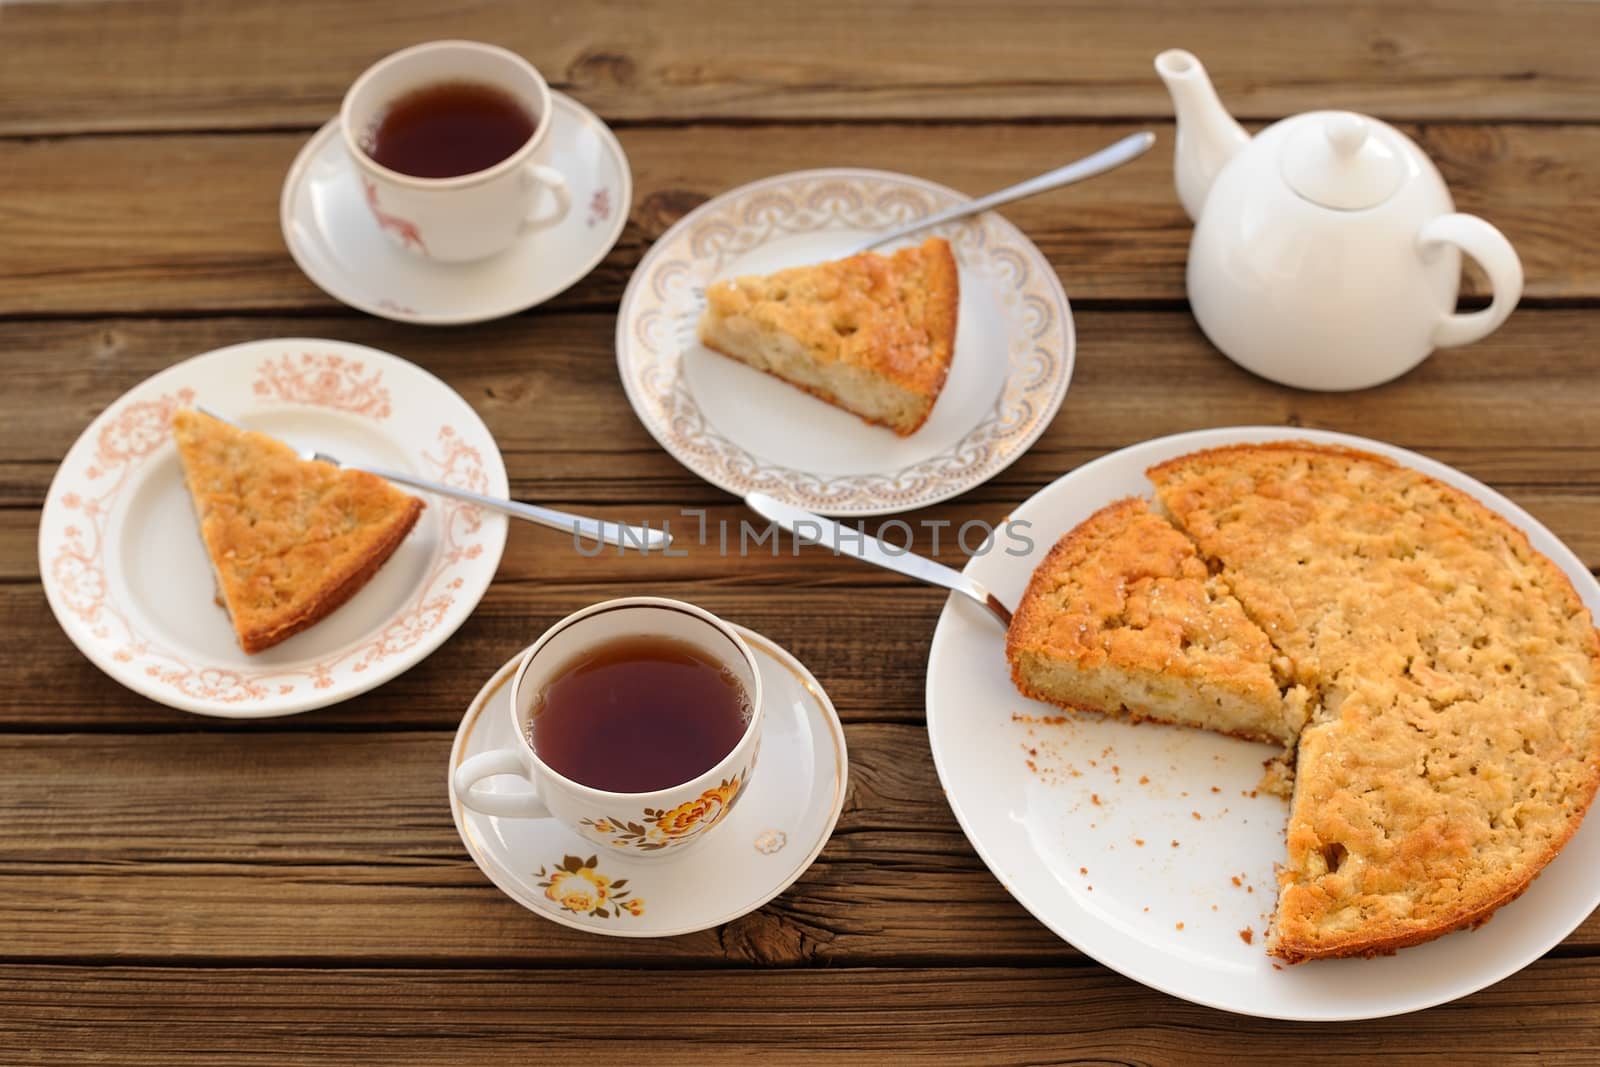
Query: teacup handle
point(487, 765)
point(1499, 260)
point(550, 178)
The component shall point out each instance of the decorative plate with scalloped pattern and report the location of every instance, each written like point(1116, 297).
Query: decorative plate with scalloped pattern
point(744, 431)
point(127, 576)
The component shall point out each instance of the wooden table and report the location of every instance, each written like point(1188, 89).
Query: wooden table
point(176, 889)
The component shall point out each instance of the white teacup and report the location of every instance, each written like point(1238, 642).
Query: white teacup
point(655, 823)
point(473, 216)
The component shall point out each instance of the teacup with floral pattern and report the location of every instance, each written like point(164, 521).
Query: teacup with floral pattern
point(655, 823)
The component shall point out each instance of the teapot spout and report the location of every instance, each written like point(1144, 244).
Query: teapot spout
point(1207, 135)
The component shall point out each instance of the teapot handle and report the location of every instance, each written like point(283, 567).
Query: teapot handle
point(1499, 260)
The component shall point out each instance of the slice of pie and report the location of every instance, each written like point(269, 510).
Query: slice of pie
point(289, 539)
point(871, 334)
point(1124, 619)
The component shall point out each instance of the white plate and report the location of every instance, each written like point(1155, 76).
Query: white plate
point(127, 576)
point(332, 236)
point(1070, 821)
point(744, 430)
point(766, 842)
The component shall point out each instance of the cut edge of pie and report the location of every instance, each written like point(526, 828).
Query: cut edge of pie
point(1379, 857)
point(1473, 718)
point(871, 334)
point(1123, 618)
point(289, 540)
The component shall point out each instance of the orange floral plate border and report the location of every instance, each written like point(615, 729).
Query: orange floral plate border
point(78, 534)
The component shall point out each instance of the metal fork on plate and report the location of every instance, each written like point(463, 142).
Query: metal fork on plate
point(611, 533)
point(1111, 157)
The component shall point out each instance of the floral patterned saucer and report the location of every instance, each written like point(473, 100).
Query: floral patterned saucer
point(333, 237)
point(127, 576)
point(766, 842)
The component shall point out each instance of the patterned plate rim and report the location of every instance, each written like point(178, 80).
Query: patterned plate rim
point(133, 430)
point(732, 468)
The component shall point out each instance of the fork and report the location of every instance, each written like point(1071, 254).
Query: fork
point(1109, 158)
point(1124, 151)
point(611, 533)
point(808, 528)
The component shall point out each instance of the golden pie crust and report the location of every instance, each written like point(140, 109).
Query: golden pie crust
point(871, 334)
point(289, 540)
point(1451, 742)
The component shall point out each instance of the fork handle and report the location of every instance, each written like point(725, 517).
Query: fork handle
point(611, 533)
point(1124, 151)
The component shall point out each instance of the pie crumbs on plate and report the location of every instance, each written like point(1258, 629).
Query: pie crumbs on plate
point(289, 539)
point(1440, 678)
point(871, 334)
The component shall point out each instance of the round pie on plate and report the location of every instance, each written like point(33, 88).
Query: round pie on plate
point(1438, 678)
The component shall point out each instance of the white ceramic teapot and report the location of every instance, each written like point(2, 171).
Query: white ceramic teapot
point(1327, 250)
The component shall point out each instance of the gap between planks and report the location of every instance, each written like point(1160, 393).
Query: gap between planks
point(751, 122)
point(1129, 305)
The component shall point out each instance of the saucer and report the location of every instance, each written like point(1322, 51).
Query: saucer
point(765, 843)
point(127, 576)
point(335, 240)
point(744, 431)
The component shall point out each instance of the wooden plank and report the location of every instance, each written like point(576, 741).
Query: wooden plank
point(863, 632)
point(985, 1016)
point(185, 64)
point(340, 847)
point(536, 556)
point(872, 667)
point(95, 227)
point(1513, 410)
point(178, 889)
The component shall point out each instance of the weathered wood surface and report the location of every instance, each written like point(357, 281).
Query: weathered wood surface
point(186, 223)
point(935, 1015)
point(1515, 410)
point(337, 847)
point(187, 64)
point(180, 889)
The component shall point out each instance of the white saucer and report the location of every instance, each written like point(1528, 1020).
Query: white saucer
point(127, 576)
point(334, 239)
point(764, 844)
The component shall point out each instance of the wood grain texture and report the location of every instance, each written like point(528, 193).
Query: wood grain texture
point(94, 225)
point(869, 656)
point(1513, 410)
point(998, 1016)
point(176, 889)
point(340, 847)
point(185, 64)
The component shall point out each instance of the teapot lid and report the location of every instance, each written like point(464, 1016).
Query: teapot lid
point(1340, 160)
